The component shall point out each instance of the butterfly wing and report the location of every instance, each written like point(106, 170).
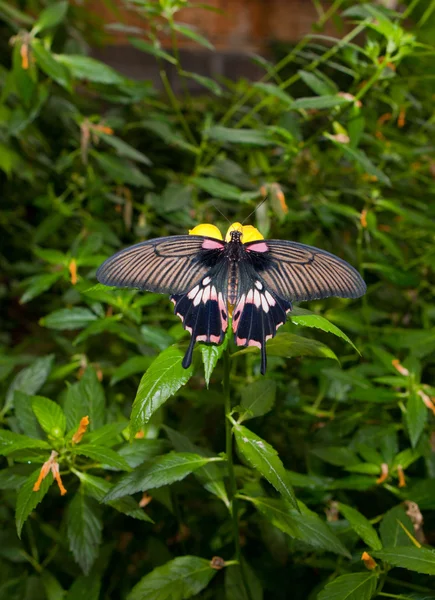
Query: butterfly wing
point(258, 312)
point(298, 272)
point(167, 265)
point(203, 309)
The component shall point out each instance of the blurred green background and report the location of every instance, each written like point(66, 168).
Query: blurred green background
point(338, 132)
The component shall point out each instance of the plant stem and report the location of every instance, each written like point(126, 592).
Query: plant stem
point(232, 479)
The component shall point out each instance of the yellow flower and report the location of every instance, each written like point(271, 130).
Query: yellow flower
point(206, 230)
point(249, 233)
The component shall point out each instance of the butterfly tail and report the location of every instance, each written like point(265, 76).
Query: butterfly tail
point(187, 360)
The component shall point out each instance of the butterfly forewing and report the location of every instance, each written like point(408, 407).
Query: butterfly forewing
point(167, 265)
point(298, 272)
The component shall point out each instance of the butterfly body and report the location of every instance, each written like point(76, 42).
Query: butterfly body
point(208, 278)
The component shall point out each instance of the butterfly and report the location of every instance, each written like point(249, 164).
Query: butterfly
point(208, 277)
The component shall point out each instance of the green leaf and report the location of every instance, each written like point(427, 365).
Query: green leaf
point(361, 525)
point(206, 82)
point(258, 398)
point(51, 67)
point(164, 377)
point(356, 586)
point(306, 525)
point(250, 137)
point(217, 188)
point(274, 91)
point(163, 470)
point(319, 84)
point(306, 318)
point(392, 533)
point(138, 451)
point(25, 415)
point(234, 583)
point(133, 365)
point(39, 284)
point(11, 442)
point(13, 478)
point(27, 499)
point(97, 488)
point(151, 49)
point(90, 69)
point(29, 380)
point(336, 455)
point(209, 475)
point(85, 587)
point(421, 560)
point(50, 416)
point(416, 417)
point(264, 458)
point(319, 102)
point(210, 357)
point(69, 318)
point(192, 35)
point(50, 17)
point(121, 171)
point(178, 579)
point(107, 435)
point(361, 159)
point(103, 455)
point(84, 527)
point(289, 345)
point(86, 398)
point(124, 149)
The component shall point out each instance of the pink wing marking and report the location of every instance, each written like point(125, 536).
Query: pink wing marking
point(259, 247)
point(212, 244)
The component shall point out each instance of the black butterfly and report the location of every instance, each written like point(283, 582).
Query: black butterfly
point(205, 276)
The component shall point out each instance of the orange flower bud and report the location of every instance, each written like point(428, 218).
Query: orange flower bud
point(401, 476)
point(402, 370)
point(81, 430)
point(363, 218)
point(73, 271)
point(384, 474)
point(369, 561)
point(427, 400)
point(24, 52)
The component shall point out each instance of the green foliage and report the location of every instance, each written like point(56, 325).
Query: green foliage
point(141, 478)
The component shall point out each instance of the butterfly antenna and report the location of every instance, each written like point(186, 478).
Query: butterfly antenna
point(219, 211)
point(256, 208)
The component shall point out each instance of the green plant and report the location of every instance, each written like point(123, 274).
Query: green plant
point(169, 473)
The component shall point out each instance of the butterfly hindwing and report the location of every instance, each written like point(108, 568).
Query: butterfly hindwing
point(203, 311)
point(258, 312)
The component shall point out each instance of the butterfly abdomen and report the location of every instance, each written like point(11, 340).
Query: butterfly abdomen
point(233, 282)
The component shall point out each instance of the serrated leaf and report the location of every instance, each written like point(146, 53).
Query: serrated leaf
point(98, 488)
point(11, 442)
point(163, 470)
point(217, 188)
point(273, 90)
point(178, 579)
point(139, 451)
point(206, 82)
point(235, 586)
point(258, 398)
point(361, 525)
point(164, 377)
point(416, 417)
point(84, 527)
point(27, 499)
point(318, 84)
point(210, 357)
point(103, 455)
point(361, 158)
point(107, 435)
point(25, 415)
point(13, 478)
point(306, 525)
point(133, 365)
point(209, 475)
point(85, 587)
point(49, 65)
point(306, 318)
point(29, 380)
point(356, 586)
point(421, 560)
point(50, 415)
point(124, 149)
point(392, 533)
point(264, 458)
point(288, 345)
point(69, 318)
point(86, 398)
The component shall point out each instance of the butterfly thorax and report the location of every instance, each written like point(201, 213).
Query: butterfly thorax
point(234, 252)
